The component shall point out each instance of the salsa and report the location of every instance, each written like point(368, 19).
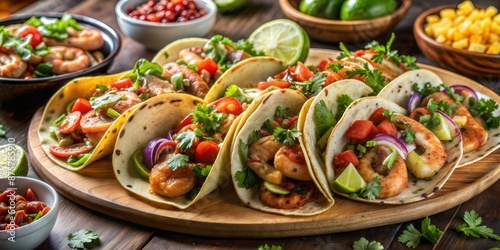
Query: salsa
point(17, 210)
point(167, 11)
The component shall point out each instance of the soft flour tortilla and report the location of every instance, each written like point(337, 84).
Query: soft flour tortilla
point(153, 119)
point(170, 53)
point(362, 109)
point(80, 87)
point(265, 110)
point(310, 136)
point(400, 91)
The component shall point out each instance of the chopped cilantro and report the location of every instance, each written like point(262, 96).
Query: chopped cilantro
point(386, 52)
point(286, 136)
point(323, 117)
point(238, 93)
point(364, 244)
point(472, 227)
point(408, 135)
point(201, 172)
point(373, 78)
point(177, 160)
point(426, 90)
point(451, 92)
point(105, 100)
point(371, 190)
point(185, 140)
point(343, 101)
point(208, 117)
point(345, 52)
point(335, 67)
point(246, 178)
point(389, 114)
point(144, 68)
point(2, 131)
point(311, 87)
point(411, 236)
point(269, 247)
point(83, 238)
point(216, 48)
point(281, 112)
point(484, 108)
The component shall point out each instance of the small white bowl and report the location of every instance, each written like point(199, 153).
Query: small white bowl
point(31, 235)
point(155, 35)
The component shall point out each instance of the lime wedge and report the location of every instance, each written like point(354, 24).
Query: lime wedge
point(230, 5)
point(349, 181)
point(13, 161)
point(139, 166)
point(442, 131)
point(276, 189)
point(283, 39)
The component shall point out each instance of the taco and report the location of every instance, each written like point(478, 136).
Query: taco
point(81, 120)
point(174, 148)
point(320, 114)
point(268, 166)
point(445, 107)
point(376, 137)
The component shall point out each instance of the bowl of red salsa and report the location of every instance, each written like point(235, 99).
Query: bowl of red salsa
point(156, 23)
point(28, 212)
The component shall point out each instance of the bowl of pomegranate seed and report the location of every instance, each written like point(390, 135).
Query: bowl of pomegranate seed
point(156, 23)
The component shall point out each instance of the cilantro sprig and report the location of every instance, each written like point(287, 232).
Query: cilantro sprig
point(312, 86)
point(217, 49)
point(143, 68)
point(286, 136)
point(386, 52)
point(484, 108)
point(247, 178)
point(208, 117)
point(201, 172)
point(364, 244)
point(370, 191)
point(323, 117)
point(238, 93)
point(83, 239)
point(472, 227)
point(177, 161)
point(373, 77)
point(269, 247)
point(411, 236)
point(2, 131)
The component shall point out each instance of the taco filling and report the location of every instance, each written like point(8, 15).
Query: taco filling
point(274, 160)
point(180, 162)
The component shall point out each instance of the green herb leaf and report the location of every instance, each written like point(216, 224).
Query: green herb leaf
point(208, 117)
point(106, 100)
point(238, 93)
point(83, 238)
point(56, 28)
point(286, 136)
point(177, 160)
point(323, 117)
point(79, 160)
point(271, 247)
point(426, 90)
point(335, 67)
point(411, 236)
point(142, 68)
point(217, 49)
point(246, 178)
point(201, 172)
point(2, 131)
point(364, 244)
point(373, 78)
point(386, 52)
point(408, 135)
point(185, 140)
point(311, 87)
point(372, 189)
point(472, 227)
point(345, 52)
point(484, 108)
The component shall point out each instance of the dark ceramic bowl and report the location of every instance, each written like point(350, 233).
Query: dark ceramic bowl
point(11, 88)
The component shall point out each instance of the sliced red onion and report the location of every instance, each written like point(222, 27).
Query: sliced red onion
point(466, 89)
point(163, 148)
point(149, 151)
point(414, 102)
point(390, 140)
point(169, 135)
point(455, 130)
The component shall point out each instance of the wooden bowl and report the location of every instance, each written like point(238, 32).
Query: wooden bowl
point(328, 30)
point(461, 61)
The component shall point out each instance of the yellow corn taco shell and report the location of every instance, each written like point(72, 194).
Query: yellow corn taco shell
point(57, 105)
point(308, 124)
point(362, 109)
point(170, 53)
point(152, 119)
point(400, 91)
point(292, 100)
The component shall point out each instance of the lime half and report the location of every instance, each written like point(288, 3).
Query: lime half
point(13, 161)
point(230, 5)
point(283, 39)
point(139, 166)
point(349, 181)
point(275, 188)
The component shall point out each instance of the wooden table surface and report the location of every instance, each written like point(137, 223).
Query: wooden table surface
point(117, 234)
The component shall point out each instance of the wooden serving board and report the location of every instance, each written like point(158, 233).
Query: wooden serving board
point(222, 214)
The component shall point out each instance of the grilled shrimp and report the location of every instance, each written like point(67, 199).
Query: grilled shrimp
point(130, 99)
point(289, 167)
point(67, 59)
point(301, 192)
point(171, 183)
point(260, 153)
point(157, 86)
point(11, 65)
point(430, 155)
point(189, 57)
point(197, 86)
point(473, 134)
point(392, 181)
point(86, 39)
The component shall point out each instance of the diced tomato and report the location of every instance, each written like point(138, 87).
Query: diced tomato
point(121, 83)
point(285, 73)
point(277, 83)
point(343, 159)
point(4, 210)
point(11, 227)
point(73, 150)
point(186, 121)
point(322, 65)
point(292, 122)
point(360, 129)
point(209, 65)
point(70, 122)
point(34, 207)
point(302, 73)
point(207, 152)
point(36, 36)
point(20, 217)
point(82, 105)
point(229, 105)
point(387, 127)
point(331, 77)
point(295, 154)
point(30, 195)
point(418, 112)
point(45, 210)
point(378, 116)
point(4, 197)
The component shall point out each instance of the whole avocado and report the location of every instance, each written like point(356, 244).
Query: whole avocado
point(366, 9)
point(329, 9)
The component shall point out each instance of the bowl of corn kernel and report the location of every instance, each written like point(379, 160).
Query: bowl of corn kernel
point(464, 38)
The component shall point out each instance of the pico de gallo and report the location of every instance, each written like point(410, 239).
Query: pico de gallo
point(17, 210)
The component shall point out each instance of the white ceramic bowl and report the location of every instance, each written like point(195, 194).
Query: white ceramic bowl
point(156, 35)
point(31, 235)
